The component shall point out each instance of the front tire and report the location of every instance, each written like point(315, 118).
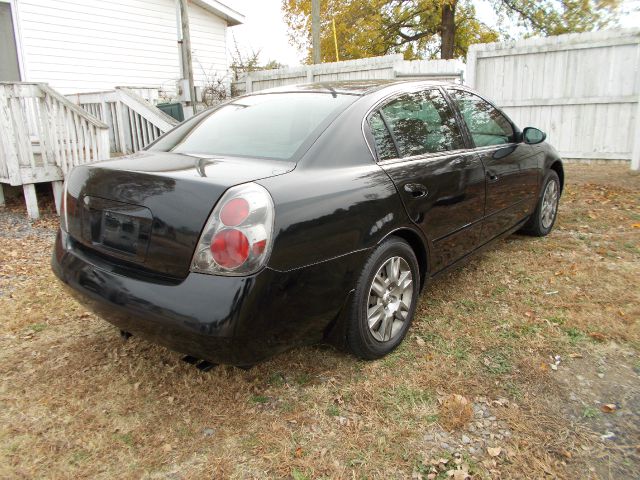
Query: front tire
point(385, 300)
point(541, 222)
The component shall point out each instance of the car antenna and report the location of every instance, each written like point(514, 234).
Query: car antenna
point(334, 94)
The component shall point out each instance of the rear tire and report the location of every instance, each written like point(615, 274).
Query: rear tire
point(385, 300)
point(541, 222)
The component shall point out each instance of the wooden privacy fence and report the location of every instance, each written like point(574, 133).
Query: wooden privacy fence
point(134, 121)
point(386, 67)
point(42, 136)
point(582, 89)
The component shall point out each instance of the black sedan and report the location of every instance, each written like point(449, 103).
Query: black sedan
point(299, 215)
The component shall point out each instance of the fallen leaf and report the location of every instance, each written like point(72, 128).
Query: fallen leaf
point(597, 336)
point(420, 342)
point(460, 475)
point(608, 407)
point(501, 402)
point(565, 453)
point(635, 225)
point(298, 452)
point(167, 448)
point(544, 367)
point(494, 451)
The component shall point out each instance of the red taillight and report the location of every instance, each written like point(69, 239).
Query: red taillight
point(237, 238)
point(230, 248)
point(258, 247)
point(234, 212)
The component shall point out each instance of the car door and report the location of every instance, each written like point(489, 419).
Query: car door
point(420, 145)
point(512, 170)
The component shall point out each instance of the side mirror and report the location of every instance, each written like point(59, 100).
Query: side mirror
point(532, 135)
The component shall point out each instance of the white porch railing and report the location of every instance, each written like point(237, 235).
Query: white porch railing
point(134, 121)
point(42, 136)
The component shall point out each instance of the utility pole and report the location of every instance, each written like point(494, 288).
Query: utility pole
point(184, 39)
point(315, 30)
point(335, 39)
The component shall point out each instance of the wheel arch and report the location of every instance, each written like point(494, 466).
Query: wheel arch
point(559, 169)
point(419, 247)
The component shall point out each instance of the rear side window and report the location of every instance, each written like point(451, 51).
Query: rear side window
point(485, 123)
point(422, 123)
point(272, 126)
point(384, 142)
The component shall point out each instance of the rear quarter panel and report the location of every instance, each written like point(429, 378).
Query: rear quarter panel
point(324, 214)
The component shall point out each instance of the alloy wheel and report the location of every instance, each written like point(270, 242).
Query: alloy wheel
point(390, 298)
point(549, 204)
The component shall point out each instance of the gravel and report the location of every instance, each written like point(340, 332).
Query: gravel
point(474, 439)
point(15, 224)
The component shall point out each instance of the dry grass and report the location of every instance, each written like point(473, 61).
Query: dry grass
point(455, 412)
point(77, 402)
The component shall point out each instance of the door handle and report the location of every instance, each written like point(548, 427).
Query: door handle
point(416, 190)
point(492, 177)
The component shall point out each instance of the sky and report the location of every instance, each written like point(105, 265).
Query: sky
point(265, 30)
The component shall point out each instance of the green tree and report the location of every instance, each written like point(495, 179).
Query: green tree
point(555, 17)
point(426, 28)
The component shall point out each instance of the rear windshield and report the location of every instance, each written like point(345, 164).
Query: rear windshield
point(273, 126)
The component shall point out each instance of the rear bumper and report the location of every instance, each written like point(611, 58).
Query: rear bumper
point(231, 320)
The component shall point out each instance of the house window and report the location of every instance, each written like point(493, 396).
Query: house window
point(9, 69)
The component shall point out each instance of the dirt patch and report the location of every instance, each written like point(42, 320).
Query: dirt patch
point(600, 389)
point(78, 402)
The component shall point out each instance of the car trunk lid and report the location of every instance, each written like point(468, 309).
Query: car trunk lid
point(148, 209)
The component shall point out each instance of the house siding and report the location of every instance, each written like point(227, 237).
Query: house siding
point(92, 45)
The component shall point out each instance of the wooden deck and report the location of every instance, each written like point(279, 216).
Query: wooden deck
point(133, 119)
point(43, 134)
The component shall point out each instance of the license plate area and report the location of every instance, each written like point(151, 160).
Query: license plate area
point(117, 228)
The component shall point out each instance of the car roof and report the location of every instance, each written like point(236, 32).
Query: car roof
point(353, 87)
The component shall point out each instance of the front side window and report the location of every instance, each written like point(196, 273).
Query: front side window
point(422, 123)
point(272, 126)
point(486, 124)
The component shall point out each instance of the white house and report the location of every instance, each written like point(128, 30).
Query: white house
point(91, 51)
point(92, 45)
